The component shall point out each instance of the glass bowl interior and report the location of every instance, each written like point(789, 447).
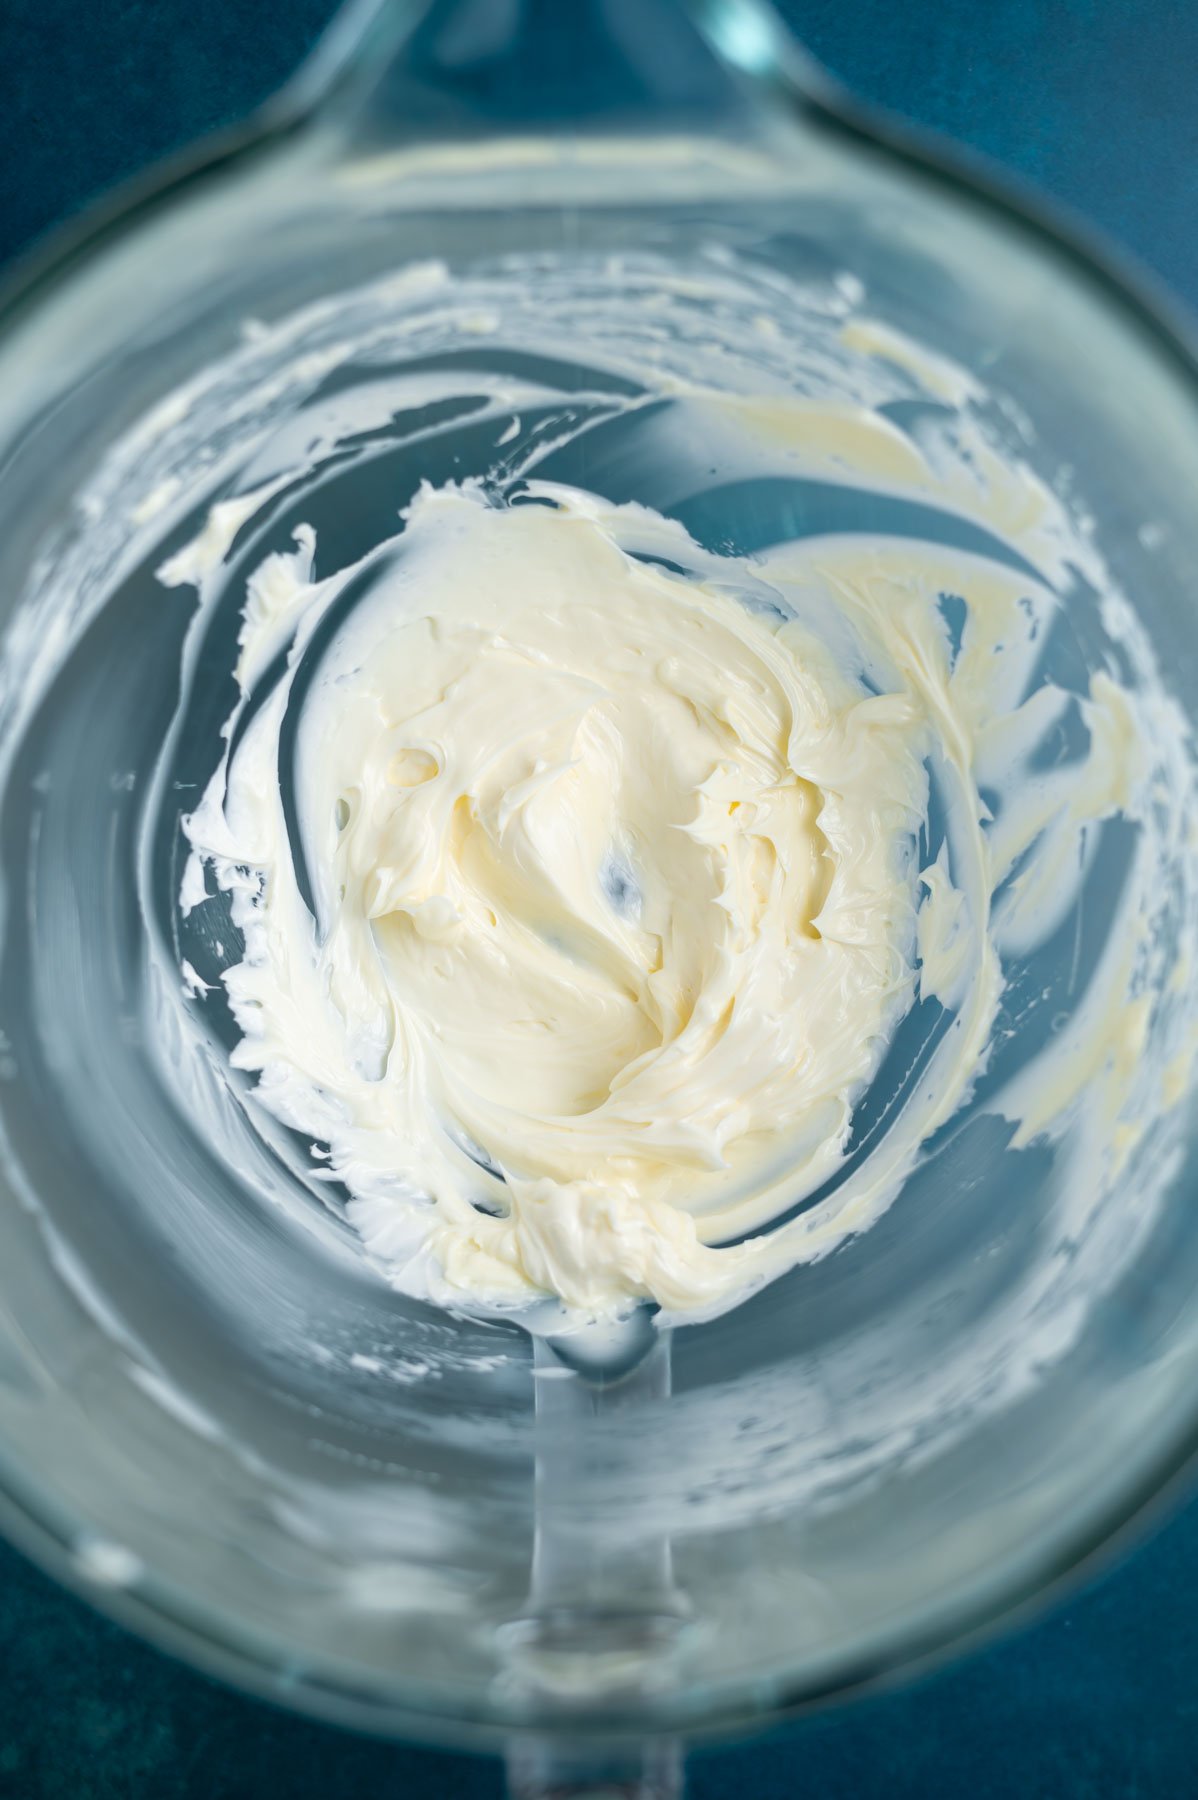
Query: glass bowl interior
point(214, 1414)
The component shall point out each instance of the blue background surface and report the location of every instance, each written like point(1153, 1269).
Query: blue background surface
point(1096, 101)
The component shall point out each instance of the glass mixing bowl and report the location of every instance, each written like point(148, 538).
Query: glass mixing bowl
point(216, 1419)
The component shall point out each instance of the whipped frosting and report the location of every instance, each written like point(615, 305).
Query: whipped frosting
point(600, 903)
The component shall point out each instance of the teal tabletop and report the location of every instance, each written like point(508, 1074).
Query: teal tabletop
point(1093, 101)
